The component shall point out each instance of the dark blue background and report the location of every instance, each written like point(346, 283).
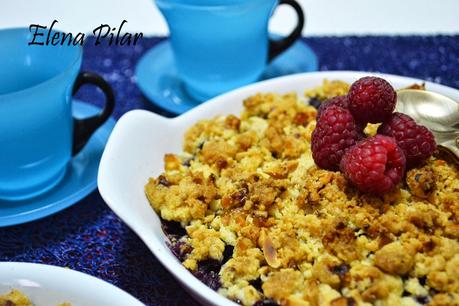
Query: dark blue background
point(88, 237)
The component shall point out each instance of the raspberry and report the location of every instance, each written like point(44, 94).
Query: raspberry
point(340, 101)
point(416, 141)
point(374, 165)
point(335, 132)
point(371, 99)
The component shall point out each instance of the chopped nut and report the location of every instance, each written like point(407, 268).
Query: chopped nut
point(395, 258)
point(232, 122)
point(421, 181)
point(343, 301)
point(162, 180)
point(303, 118)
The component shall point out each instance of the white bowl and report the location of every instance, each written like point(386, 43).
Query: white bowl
point(140, 139)
point(49, 286)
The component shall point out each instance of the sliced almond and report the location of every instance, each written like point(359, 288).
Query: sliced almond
point(270, 253)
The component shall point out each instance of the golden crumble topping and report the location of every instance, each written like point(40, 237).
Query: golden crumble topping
point(328, 89)
point(301, 233)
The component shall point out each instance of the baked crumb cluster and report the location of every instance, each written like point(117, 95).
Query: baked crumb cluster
point(14, 298)
point(302, 235)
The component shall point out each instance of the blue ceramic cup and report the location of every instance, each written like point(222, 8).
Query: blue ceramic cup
point(38, 135)
point(220, 45)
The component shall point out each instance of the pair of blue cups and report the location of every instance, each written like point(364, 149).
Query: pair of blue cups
point(38, 135)
point(218, 45)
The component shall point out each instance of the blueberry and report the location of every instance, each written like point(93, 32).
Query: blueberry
point(340, 270)
point(315, 102)
point(422, 299)
point(211, 279)
point(227, 253)
point(173, 228)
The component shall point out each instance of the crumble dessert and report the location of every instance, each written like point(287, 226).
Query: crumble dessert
point(17, 298)
point(251, 215)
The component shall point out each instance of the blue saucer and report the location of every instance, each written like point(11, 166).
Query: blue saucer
point(157, 77)
point(79, 180)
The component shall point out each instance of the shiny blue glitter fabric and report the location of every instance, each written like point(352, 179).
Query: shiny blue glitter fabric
point(88, 237)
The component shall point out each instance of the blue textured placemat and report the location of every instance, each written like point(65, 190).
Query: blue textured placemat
point(88, 237)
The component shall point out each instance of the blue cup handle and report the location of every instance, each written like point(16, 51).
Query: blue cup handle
point(276, 47)
point(84, 128)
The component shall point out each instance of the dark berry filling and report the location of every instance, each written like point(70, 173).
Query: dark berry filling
point(172, 228)
point(266, 302)
point(208, 270)
point(208, 273)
